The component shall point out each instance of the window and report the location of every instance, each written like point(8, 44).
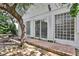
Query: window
point(28, 27)
point(41, 28)
point(64, 26)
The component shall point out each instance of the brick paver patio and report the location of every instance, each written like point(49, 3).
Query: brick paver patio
point(57, 48)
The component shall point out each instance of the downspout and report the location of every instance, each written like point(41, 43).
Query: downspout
point(49, 7)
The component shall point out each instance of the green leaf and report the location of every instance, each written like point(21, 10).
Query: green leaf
point(74, 10)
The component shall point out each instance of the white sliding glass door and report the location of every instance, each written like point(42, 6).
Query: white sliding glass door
point(41, 28)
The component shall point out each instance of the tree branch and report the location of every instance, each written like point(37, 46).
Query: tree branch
point(14, 5)
point(3, 8)
point(6, 4)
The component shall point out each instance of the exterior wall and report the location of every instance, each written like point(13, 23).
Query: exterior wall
point(32, 29)
point(77, 32)
point(40, 11)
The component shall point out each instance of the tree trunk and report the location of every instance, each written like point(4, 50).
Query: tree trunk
point(23, 32)
point(21, 23)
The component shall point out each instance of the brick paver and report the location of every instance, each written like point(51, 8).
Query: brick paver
point(57, 48)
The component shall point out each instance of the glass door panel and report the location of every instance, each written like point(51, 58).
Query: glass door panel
point(37, 28)
point(43, 29)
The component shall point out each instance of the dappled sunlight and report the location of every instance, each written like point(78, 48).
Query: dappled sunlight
point(27, 50)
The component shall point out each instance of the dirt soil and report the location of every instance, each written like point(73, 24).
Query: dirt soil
point(26, 50)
